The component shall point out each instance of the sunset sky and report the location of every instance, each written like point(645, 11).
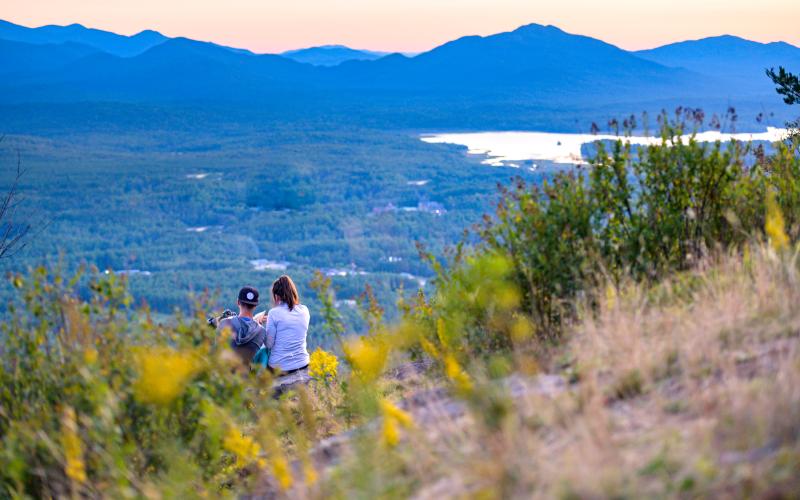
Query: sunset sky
point(415, 25)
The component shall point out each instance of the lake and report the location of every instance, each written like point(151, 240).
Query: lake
point(508, 149)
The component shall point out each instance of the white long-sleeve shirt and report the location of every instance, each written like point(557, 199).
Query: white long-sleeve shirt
point(286, 336)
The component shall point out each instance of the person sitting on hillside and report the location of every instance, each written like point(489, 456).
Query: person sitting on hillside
point(287, 328)
point(246, 335)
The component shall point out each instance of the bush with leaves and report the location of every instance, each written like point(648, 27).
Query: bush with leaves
point(98, 399)
point(637, 213)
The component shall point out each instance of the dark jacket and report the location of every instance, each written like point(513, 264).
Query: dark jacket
point(247, 336)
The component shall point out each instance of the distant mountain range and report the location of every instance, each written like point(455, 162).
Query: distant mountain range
point(331, 55)
point(533, 64)
point(105, 41)
point(728, 57)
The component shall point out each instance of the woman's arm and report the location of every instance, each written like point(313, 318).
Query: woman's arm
point(272, 330)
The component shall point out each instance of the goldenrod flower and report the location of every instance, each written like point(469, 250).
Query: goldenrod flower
point(508, 297)
point(775, 226)
point(163, 374)
point(402, 417)
point(310, 473)
point(521, 329)
point(429, 348)
point(367, 357)
point(442, 333)
point(90, 356)
point(323, 364)
point(245, 449)
point(280, 468)
point(74, 468)
point(392, 417)
point(456, 374)
point(611, 296)
point(391, 436)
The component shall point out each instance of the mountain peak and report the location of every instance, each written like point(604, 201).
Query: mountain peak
point(149, 33)
point(330, 55)
point(727, 56)
point(539, 27)
point(104, 41)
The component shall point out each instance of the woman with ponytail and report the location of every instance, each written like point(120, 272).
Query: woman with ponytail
point(287, 328)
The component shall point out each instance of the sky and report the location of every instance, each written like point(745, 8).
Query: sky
point(415, 25)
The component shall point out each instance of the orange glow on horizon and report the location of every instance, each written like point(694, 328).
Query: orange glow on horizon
point(415, 25)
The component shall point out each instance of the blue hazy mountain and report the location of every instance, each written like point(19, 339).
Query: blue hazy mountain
point(106, 41)
point(531, 66)
point(731, 57)
point(331, 55)
point(178, 69)
point(18, 57)
point(534, 60)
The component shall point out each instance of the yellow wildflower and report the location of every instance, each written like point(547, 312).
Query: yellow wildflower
point(163, 374)
point(521, 329)
point(392, 418)
point(402, 417)
point(442, 333)
point(90, 356)
point(245, 449)
point(775, 226)
point(323, 364)
point(310, 473)
point(391, 436)
point(429, 348)
point(73, 450)
point(280, 468)
point(367, 357)
point(455, 373)
point(508, 297)
point(611, 296)
point(706, 468)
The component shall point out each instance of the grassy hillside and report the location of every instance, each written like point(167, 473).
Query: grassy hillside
point(688, 388)
point(629, 333)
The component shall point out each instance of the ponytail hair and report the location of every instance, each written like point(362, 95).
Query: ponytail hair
point(284, 289)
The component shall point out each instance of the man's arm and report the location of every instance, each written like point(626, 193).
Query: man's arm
point(225, 329)
point(261, 318)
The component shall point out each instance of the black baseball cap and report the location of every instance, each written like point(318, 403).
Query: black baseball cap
point(248, 295)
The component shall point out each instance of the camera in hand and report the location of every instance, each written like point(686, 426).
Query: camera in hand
point(214, 320)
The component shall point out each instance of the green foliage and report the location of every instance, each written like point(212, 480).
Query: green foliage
point(664, 208)
point(281, 189)
point(475, 312)
point(629, 385)
point(787, 84)
point(330, 315)
point(97, 400)
point(544, 231)
point(638, 213)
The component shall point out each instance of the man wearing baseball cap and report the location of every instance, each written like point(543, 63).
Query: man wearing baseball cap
point(247, 336)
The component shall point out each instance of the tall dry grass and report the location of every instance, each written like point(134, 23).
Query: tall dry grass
point(687, 389)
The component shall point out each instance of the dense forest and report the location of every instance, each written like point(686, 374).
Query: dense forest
point(184, 212)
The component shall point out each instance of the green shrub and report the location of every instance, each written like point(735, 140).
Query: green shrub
point(475, 310)
point(546, 234)
point(638, 213)
point(97, 399)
